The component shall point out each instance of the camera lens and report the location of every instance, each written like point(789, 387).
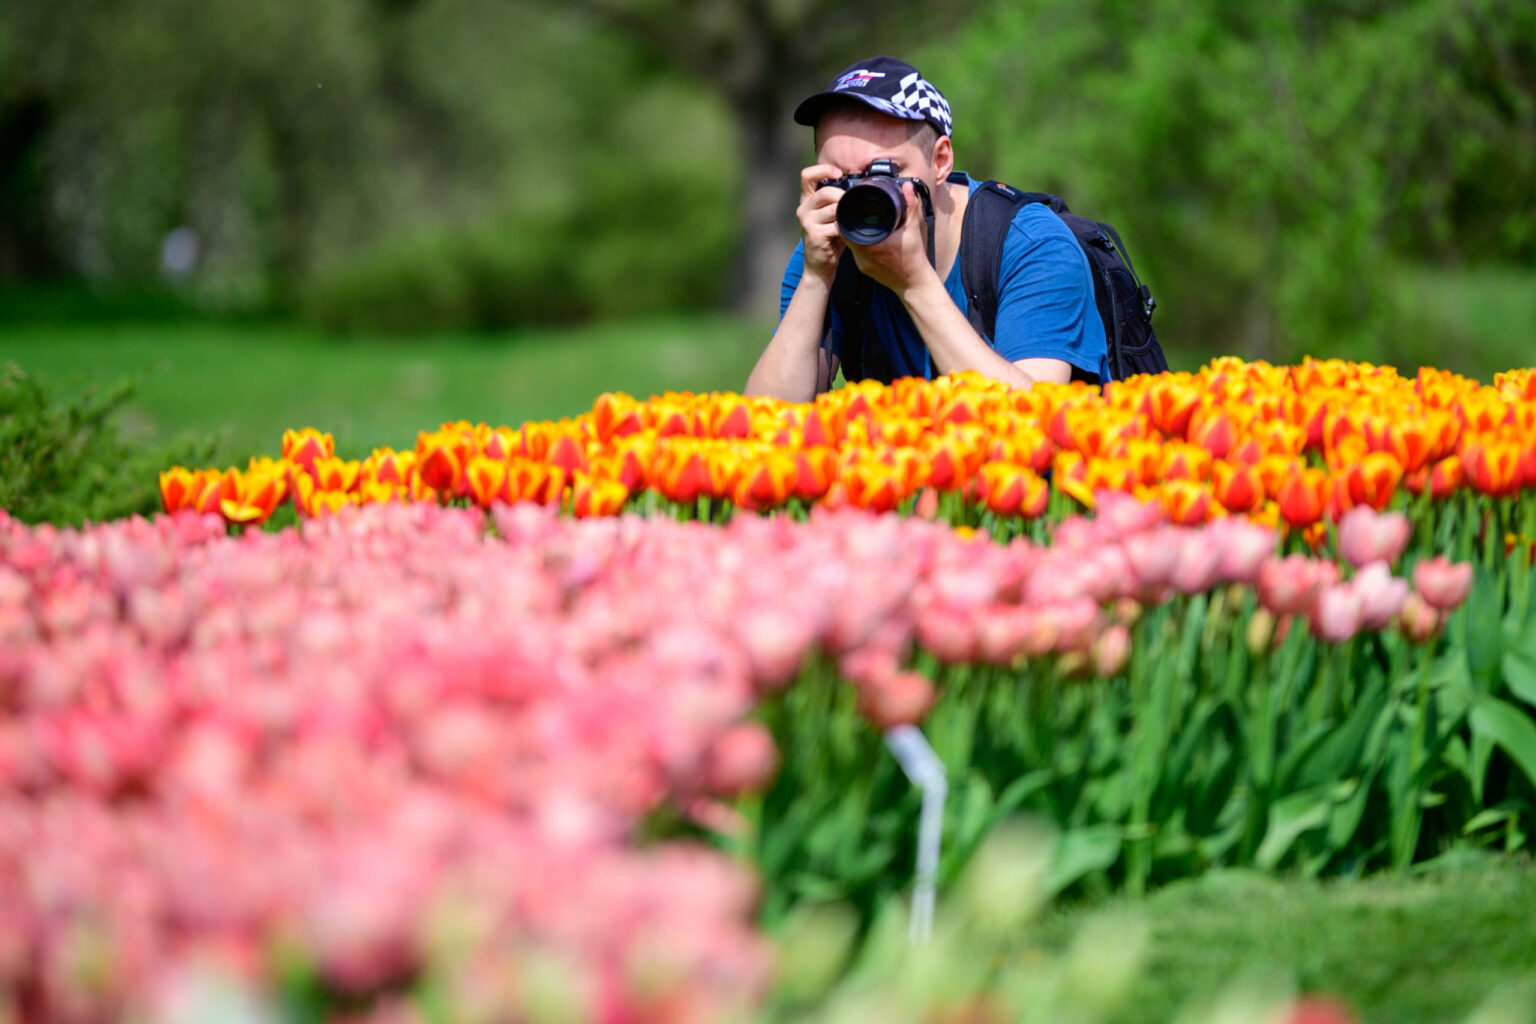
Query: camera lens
point(871, 210)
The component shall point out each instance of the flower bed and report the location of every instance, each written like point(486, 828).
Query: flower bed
point(406, 745)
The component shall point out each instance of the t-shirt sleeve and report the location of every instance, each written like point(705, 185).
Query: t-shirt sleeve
point(1045, 305)
point(792, 274)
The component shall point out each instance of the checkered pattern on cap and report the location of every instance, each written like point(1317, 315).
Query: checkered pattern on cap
point(918, 94)
point(885, 84)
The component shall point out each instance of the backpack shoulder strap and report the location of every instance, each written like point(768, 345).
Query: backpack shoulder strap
point(987, 215)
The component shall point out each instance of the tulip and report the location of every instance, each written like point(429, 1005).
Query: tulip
point(1110, 651)
point(1199, 563)
point(1245, 548)
point(1186, 502)
point(597, 496)
point(744, 759)
point(177, 488)
point(439, 467)
point(1185, 462)
point(333, 474)
point(1301, 497)
point(776, 641)
point(1372, 480)
point(1336, 616)
point(1010, 490)
point(1152, 556)
point(902, 698)
point(1169, 405)
point(1493, 467)
point(615, 414)
point(1381, 595)
point(387, 466)
point(1236, 488)
point(1289, 586)
point(1442, 584)
point(487, 478)
point(302, 447)
point(1419, 620)
point(1214, 430)
point(250, 498)
point(872, 485)
point(1366, 536)
point(769, 484)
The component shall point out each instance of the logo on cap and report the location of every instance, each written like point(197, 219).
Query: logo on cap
point(856, 79)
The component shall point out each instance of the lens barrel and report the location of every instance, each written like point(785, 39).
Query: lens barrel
point(871, 210)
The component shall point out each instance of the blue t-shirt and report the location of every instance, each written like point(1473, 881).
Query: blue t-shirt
point(1045, 305)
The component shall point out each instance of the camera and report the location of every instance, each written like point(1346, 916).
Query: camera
point(874, 205)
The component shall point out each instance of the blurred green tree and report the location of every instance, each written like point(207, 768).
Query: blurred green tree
point(763, 57)
point(1268, 165)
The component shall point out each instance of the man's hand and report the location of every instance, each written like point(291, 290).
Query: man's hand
point(817, 214)
point(900, 262)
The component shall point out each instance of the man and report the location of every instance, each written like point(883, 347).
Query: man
point(1047, 326)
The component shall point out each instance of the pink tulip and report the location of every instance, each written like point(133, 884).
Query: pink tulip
point(1444, 585)
point(1419, 620)
point(1336, 617)
point(1245, 547)
point(1111, 651)
point(947, 635)
point(743, 759)
point(776, 640)
point(1153, 556)
point(903, 698)
point(1199, 563)
point(1289, 586)
point(1367, 536)
point(1381, 595)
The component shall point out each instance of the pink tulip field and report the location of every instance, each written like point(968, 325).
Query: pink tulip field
point(424, 760)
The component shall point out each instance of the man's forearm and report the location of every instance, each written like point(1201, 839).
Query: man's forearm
point(792, 366)
point(952, 341)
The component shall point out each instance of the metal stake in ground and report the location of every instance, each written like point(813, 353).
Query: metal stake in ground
point(925, 771)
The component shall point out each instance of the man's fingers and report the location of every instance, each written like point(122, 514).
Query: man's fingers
point(815, 173)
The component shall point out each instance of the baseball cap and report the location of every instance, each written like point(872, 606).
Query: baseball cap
point(886, 84)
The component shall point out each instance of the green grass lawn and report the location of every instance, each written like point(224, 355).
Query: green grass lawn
point(246, 383)
point(1399, 949)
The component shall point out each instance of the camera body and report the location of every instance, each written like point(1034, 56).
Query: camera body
point(874, 205)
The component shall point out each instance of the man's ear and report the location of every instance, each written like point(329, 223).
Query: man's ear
point(943, 158)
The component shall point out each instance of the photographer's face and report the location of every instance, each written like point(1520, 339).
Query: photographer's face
point(849, 139)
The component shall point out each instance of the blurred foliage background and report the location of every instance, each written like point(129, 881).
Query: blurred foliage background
point(1351, 177)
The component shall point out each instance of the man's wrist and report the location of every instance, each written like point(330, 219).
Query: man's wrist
point(926, 288)
point(817, 278)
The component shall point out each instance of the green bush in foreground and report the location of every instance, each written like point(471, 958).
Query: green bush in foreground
point(63, 461)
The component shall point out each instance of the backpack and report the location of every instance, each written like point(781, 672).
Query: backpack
point(1125, 304)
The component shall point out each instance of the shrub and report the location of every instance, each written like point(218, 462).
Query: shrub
point(62, 461)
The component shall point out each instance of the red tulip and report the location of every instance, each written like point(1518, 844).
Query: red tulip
point(302, 447)
point(1302, 497)
point(1237, 488)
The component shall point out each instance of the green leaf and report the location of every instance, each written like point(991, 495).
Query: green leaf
point(1519, 663)
point(1485, 633)
point(1082, 851)
point(1510, 728)
point(1289, 818)
point(1021, 789)
point(1345, 819)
